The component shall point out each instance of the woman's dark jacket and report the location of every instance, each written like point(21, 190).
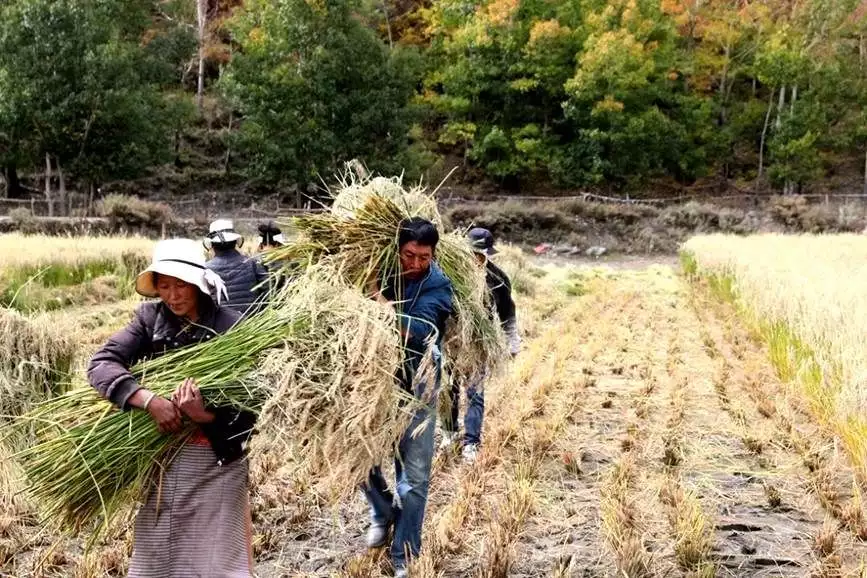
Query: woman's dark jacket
point(154, 331)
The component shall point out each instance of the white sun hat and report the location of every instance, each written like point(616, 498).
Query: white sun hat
point(279, 239)
point(181, 259)
point(223, 231)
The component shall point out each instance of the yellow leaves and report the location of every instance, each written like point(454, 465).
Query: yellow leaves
point(473, 34)
point(624, 15)
point(545, 30)
point(607, 105)
point(256, 36)
point(630, 13)
point(318, 6)
point(614, 62)
point(455, 133)
point(524, 84)
point(500, 12)
point(672, 7)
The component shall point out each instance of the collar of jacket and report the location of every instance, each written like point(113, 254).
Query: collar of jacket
point(411, 288)
point(167, 325)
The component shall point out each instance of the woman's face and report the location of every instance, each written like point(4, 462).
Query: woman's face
point(179, 296)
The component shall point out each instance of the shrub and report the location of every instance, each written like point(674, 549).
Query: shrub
point(796, 214)
point(132, 212)
point(605, 212)
point(23, 220)
point(517, 222)
point(702, 217)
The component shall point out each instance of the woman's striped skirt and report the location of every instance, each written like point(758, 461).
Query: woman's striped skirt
point(201, 527)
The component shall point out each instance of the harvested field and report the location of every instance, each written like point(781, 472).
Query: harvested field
point(642, 431)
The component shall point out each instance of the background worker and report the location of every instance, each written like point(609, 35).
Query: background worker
point(270, 236)
point(244, 276)
point(500, 290)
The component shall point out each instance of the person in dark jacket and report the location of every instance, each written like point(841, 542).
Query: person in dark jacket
point(196, 519)
point(270, 236)
point(244, 276)
point(500, 289)
point(422, 296)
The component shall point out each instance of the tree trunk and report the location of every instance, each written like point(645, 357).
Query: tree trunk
point(862, 52)
point(764, 135)
point(13, 183)
point(779, 122)
point(865, 172)
point(202, 20)
point(48, 193)
point(387, 23)
point(228, 159)
point(723, 93)
point(61, 179)
point(793, 98)
point(90, 198)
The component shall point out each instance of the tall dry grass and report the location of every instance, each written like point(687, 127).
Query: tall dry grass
point(806, 296)
point(39, 273)
point(18, 250)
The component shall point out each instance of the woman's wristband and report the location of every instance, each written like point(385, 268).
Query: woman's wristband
point(148, 401)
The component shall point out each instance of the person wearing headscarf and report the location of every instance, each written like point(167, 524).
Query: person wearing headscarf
point(196, 518)
point(245, 277)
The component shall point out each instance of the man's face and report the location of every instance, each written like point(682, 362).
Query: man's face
point(415, 259)
point(481, 258)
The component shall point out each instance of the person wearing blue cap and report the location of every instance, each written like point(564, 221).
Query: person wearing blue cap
point(500, 287)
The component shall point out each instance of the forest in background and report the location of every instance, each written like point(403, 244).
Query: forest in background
point(611, 95)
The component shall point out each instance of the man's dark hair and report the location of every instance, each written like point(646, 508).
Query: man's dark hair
point(268, 231)
point(419, 230)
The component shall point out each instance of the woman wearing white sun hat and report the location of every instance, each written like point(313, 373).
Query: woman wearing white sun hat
point(244, 276)
point(197, 522)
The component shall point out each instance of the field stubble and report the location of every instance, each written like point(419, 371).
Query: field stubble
point(641, 431)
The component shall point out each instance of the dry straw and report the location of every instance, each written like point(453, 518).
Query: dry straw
point(35, 361)
point(358, 238)
point(319, 363)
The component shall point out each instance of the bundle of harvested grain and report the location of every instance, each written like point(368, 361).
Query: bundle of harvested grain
point(362, 243)
point(35, 362)
point(319, 362)
point(353, 194)
point(322, 358)
point(336, 402)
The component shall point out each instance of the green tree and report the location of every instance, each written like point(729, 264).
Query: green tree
point(496, 79)
point(315, 87)
point(81, 87)
point(626, 103)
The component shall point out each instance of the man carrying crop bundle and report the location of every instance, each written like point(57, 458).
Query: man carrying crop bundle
point(196, 519)
point(500, 289)
point(243, 275)
point(422, 296)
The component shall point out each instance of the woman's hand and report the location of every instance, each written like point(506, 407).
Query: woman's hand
point(188, 399)
point(163, 412)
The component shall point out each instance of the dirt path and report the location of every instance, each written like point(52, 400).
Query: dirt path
point(640, 431)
